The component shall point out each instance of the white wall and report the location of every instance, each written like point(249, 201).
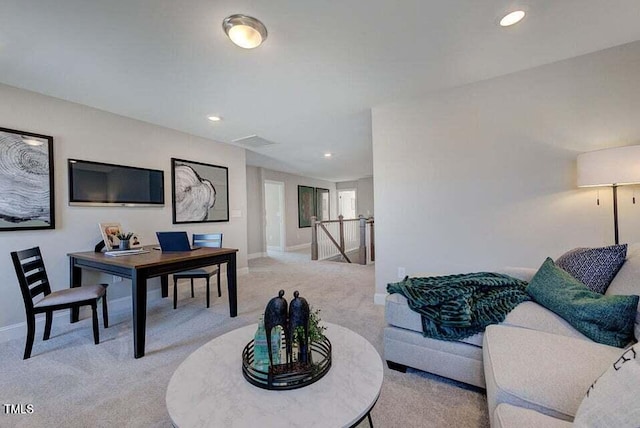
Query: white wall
point(483, 176)
point(89, 134)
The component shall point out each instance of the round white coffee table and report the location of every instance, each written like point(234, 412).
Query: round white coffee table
point(209, 390)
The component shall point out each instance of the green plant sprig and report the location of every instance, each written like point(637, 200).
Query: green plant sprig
point(316, 331)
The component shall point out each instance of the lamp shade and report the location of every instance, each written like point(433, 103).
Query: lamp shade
point(608, 167)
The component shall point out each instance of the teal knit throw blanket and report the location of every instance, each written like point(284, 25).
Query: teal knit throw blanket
point(457, 306)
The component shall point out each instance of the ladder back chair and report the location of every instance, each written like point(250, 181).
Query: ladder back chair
point(213, 240)
point(38, 297)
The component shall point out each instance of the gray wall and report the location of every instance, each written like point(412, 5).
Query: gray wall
point(364, 194)
point(85, 133)
point(295, 236)
point(272, 209)
point(483, 176)
point(255, 217)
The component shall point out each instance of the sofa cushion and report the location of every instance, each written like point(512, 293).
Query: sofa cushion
point(604, 319)
point(397, 313)
point(527, 314)
point(508, 416)
point(626, 281)
point(536, 317)
point(614, 398)
point(594, 267)
point(521, 368)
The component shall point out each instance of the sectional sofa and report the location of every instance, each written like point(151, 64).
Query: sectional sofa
point(535, 366)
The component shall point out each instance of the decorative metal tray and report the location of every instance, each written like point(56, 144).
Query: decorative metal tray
point(288, 375)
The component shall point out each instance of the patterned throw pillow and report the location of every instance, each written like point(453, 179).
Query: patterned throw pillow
point(594, 267)
point(614, 398)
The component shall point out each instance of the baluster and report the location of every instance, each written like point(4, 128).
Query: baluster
point(363, 240)
point(314, 239)
point(340, 218)
point(372, 240)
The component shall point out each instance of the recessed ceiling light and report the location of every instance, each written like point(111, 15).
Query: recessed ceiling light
point(512, 18)
point(328, 155)
point(245, 31)
point(214, 118)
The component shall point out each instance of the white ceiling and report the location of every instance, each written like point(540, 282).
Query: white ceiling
point(311, 86)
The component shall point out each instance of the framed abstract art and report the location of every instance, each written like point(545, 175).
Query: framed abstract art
point(199, 191)
point(26, 181)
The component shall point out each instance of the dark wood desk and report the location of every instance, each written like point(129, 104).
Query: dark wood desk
point(140, 267)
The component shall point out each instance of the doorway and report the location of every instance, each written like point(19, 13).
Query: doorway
point(347, 203)
point(274, 215)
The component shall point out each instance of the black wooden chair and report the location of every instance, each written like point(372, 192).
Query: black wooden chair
point(213, 240)
point(33, 281)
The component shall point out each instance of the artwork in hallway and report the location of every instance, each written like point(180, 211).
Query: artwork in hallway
point(26, 181)
point(306, 206)
point(322, 204)
point(200, 192)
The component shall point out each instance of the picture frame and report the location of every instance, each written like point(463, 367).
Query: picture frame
point(199, 192)
point(323, 204)
point(26, 181)
point(109, 232)
point(306, 206)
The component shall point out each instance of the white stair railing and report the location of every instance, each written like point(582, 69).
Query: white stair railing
point(331, 238)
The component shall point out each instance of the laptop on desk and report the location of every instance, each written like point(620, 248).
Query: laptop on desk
point(174, 241)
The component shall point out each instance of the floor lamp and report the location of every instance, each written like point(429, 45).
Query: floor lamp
point(612, 168)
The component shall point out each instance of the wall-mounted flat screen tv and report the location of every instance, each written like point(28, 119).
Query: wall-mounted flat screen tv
point(103, 184)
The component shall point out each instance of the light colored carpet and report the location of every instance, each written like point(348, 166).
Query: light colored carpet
point(73, 383)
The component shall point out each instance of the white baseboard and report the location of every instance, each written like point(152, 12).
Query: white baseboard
point(19, 330)
point(298, 247)
point(379, 298)
point(124, 303)
point(256, 256)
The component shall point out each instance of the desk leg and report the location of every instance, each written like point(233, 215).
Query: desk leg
point(75, 280)
point(139, 300)
point(232, 286)
point(164, 282)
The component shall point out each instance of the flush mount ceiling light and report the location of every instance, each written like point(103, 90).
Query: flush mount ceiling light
point(328, 155)
point(245, 31)
point(512, 18)
point(214, 118)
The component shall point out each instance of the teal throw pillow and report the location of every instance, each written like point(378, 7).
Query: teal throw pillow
point(603, 319)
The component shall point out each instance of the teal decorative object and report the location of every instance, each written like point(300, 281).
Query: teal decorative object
point(276, 344)
point(604, 319)
point(260, 349)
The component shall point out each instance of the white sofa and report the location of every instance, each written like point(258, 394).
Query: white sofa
point(535, 366)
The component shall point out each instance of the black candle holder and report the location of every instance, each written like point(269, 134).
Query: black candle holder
point(290, 375)
point(312, 359)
